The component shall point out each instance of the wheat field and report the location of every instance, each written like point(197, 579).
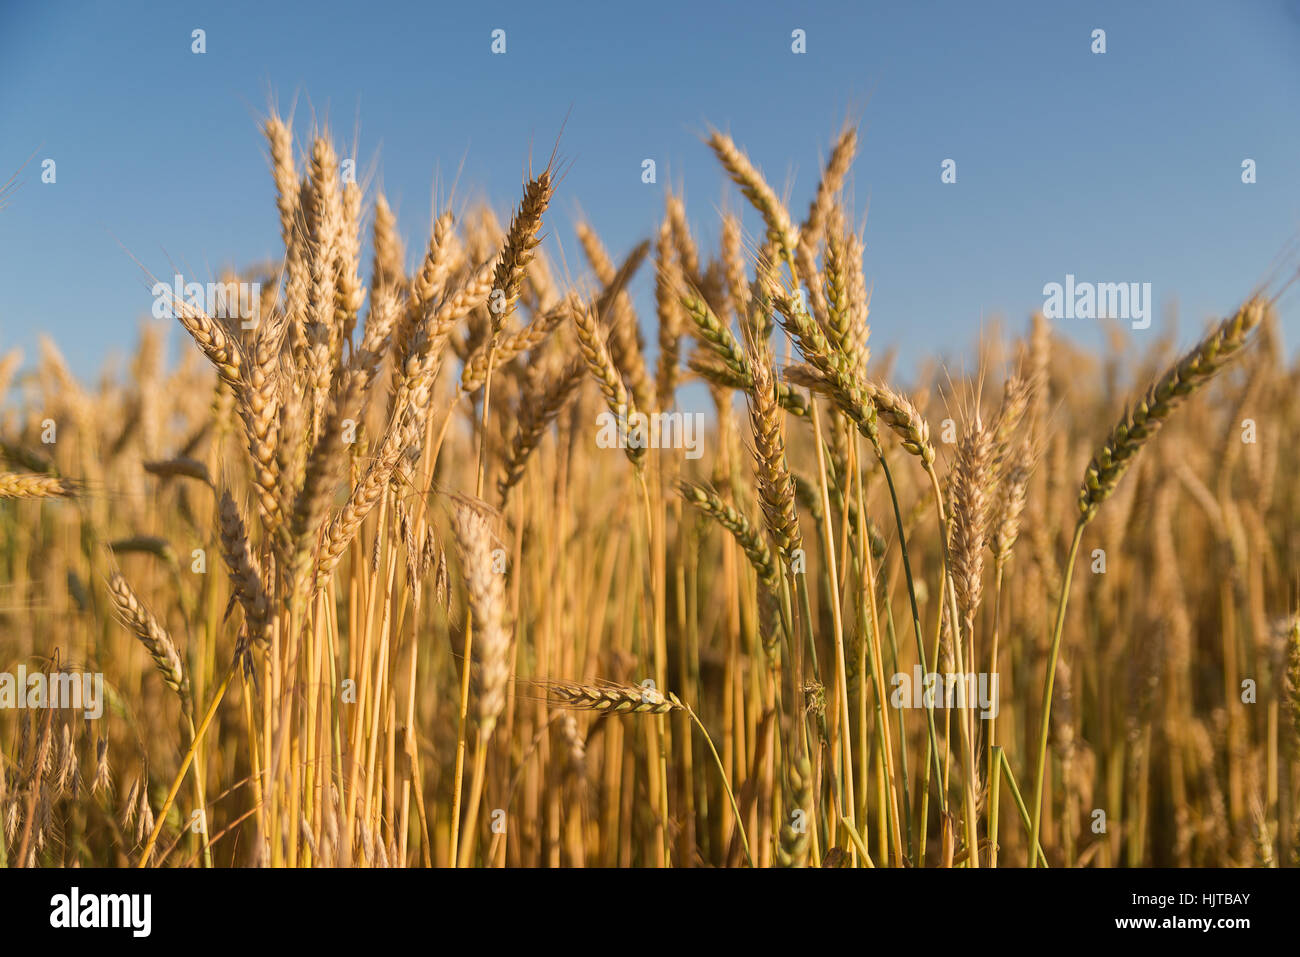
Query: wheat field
point(429, 565)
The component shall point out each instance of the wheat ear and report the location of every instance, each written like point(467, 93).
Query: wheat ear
point(21, 485)
point(755, 188)
point(1108, 466)
point(152, 635)
point(747, 537)
point(1141, 422)
point(486, 589)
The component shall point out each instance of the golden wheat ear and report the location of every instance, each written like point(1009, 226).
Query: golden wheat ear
point(21, 485)
point(155, 638)
point(780, 229)
point(608, 698)
point(1293, 674)
point(486, 591)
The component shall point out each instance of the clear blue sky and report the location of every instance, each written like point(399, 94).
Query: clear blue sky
point(1117, 167)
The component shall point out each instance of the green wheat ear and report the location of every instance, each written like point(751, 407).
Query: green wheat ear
point(1182, 379)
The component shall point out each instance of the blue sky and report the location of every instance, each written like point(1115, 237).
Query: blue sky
point(1124, 166)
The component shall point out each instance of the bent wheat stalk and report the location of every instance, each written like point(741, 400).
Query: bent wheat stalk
point(1113, 459)
point(632, 699)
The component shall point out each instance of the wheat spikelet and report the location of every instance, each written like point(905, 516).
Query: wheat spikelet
point(533, 335)
point(385, 308)
point(668, 278)
point(427, 285)
point(486, 589)
point(66, 767)
point(859, 302)
point(324, 469)
point(245, 572)
point(387, 270)
point(1014, 463)
point(683, 243)
point(364, 496)
point(526, 339)
point(1016, 397)
point(829, 186)
point(470, 295)
point(517, 250)
point(103, 779)
point(280, 140)
point(747, 537)
point(1009, 504)
point(1140, 423)
point(720, 374)
point(290, 459)
point(896, 411)
point(180, 466)
point(752, 184)
point(316, 363)
point(212, 338)
point(733, 266)
point(839, 309)
point(1293, 675)
point(814, 283)
point(794, 844)
point(591, 343)
point(775, 486)
point(439, 260)
point(970, 486)
point(717, 336)
point(144, 819)
point(623, 330)
point(594, 250)
point(904, 419)
point(349, 293)
point(838, 377)
point(152, 635)
point(612, 699)
point(536, 413)
point(259, 407)
point(414, 390)
point(130, 804)
point(21, 485)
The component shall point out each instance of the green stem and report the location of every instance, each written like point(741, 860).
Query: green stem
point(916, 627)
point(726, 785)
point(1020, 803)
point(1052, 655)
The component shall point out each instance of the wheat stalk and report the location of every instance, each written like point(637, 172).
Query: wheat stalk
point(1109, 464)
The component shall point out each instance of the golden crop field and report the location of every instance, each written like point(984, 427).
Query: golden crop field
point(423, 561)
